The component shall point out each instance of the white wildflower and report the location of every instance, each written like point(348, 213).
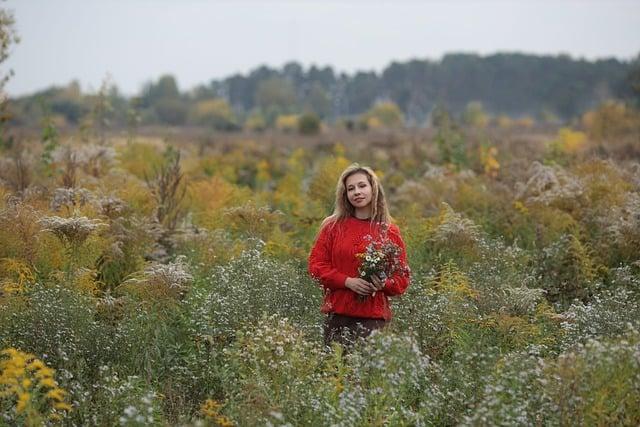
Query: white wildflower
point(73, 230)
point(549, 184)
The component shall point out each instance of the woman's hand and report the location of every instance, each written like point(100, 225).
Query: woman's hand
point(378, 283)
point(359, 286)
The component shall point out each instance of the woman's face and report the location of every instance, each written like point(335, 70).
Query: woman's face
point(359, 191)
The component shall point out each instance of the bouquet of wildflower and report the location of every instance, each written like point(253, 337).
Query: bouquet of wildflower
point(381, 258)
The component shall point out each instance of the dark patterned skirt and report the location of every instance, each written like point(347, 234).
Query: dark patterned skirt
point(345, 330)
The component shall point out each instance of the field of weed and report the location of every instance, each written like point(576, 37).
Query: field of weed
point(162, 280)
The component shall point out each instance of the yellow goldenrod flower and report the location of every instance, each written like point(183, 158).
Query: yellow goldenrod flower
point(210, 408)
point(62, 406)
point(23, 399)
point(56, 394)
point(224, 421)
point(36, 364)
point(24, 379)
point(44, 372)
point(11, 352)
point(47, 382)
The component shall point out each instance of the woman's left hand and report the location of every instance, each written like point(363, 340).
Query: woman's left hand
point(378, 283)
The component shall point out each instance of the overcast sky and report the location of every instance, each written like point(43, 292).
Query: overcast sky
point(134, 41)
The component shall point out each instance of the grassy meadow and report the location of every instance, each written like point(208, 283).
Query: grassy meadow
point(159, 277)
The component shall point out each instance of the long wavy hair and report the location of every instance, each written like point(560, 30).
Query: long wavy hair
point(343, 208)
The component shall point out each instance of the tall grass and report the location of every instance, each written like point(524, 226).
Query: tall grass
point(523, 307)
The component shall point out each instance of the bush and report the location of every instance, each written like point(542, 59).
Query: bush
point(215, 113)
point(308, 124)
point(383, 114)
point(171, 111)
point(609, 315)
point(58, 326)
point(249, 286)
point(119, 400)
point(597, 384)
point(567, 270)
point(431, 316)
point(387, 369)
point(255, 122)
point(474, 115)
point(273, 365)
point(287, 123)
point(453, 386)
point(514, 395)
point(452, 236)
point(611, 120)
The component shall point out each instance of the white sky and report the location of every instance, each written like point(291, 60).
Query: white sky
point(134, 41)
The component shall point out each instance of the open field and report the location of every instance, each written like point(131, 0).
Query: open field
point(159, 278)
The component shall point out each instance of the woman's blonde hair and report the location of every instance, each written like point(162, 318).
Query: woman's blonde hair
point(344, 209)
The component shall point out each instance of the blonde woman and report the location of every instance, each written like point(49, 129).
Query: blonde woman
point(354, 306)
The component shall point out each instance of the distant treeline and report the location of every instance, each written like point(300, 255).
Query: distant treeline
point(509, 84)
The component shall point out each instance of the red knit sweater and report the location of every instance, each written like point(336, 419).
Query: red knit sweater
point(333, 259)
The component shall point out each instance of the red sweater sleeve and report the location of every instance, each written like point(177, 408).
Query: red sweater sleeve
point(320, 266)
point(399, 281)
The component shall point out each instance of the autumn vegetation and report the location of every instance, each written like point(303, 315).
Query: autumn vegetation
point(153, 250)
point(161, 279)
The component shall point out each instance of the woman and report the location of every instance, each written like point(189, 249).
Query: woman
point(354, 306)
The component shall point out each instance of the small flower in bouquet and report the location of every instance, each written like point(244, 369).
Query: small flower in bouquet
point(381, 258)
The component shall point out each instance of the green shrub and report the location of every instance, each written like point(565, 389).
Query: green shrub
point(119, 400)
point(388, 368)
point(608, 315)
point(57, 325)
point(308, 124)
point(273, 366)
point(567, 270)
point(597, 384)
point(514, 394)
point(247, 287)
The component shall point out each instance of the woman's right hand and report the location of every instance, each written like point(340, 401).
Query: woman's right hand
point(359, 286)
